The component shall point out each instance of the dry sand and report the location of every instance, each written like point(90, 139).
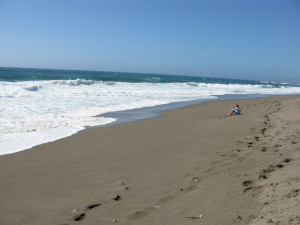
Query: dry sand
point(190, 166)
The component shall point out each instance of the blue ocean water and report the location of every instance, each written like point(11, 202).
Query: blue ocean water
point(26, 74)
point(42, 105)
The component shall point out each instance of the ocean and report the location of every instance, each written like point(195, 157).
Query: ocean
point(42, 105)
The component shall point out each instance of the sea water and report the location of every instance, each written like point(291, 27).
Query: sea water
point(39, 105)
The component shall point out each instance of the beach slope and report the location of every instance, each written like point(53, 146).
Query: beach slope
point(191, 164)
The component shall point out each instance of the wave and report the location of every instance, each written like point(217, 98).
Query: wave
point(39, 108)
point(32, 88)
point(194, 84)
point(152, 79)
point(76, 82)
point(145, 89)
point(218, 86)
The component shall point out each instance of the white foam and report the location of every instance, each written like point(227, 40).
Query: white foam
point(36, 112)
point(15, 142)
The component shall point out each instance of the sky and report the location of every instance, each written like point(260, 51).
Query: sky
point(246, 39)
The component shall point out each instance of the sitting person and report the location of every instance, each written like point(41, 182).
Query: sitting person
point(235, 111)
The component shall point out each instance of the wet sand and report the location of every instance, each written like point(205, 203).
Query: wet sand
point(191, 165)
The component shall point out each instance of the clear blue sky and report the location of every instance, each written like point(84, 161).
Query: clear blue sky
point(248, 39)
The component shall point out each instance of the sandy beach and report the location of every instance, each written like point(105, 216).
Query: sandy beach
point(194, 165)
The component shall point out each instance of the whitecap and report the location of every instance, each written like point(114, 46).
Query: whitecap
point(32, 88)
point(67, 106)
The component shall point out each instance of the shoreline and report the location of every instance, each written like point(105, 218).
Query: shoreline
point(167, 170)
point(133, 115)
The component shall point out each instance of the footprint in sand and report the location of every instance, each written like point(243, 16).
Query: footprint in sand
point(139, 215)
point(287, 160)
point(117, 198)
point(79, 217)
point(250, 144)
point(92, 206)
point(189, 188)
point(293, 193)
point(271, 168)
point(247, 189)
point(208, 170)
point(196, 179)
point(163, 200)
point(247, 182)
point(252, 188)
